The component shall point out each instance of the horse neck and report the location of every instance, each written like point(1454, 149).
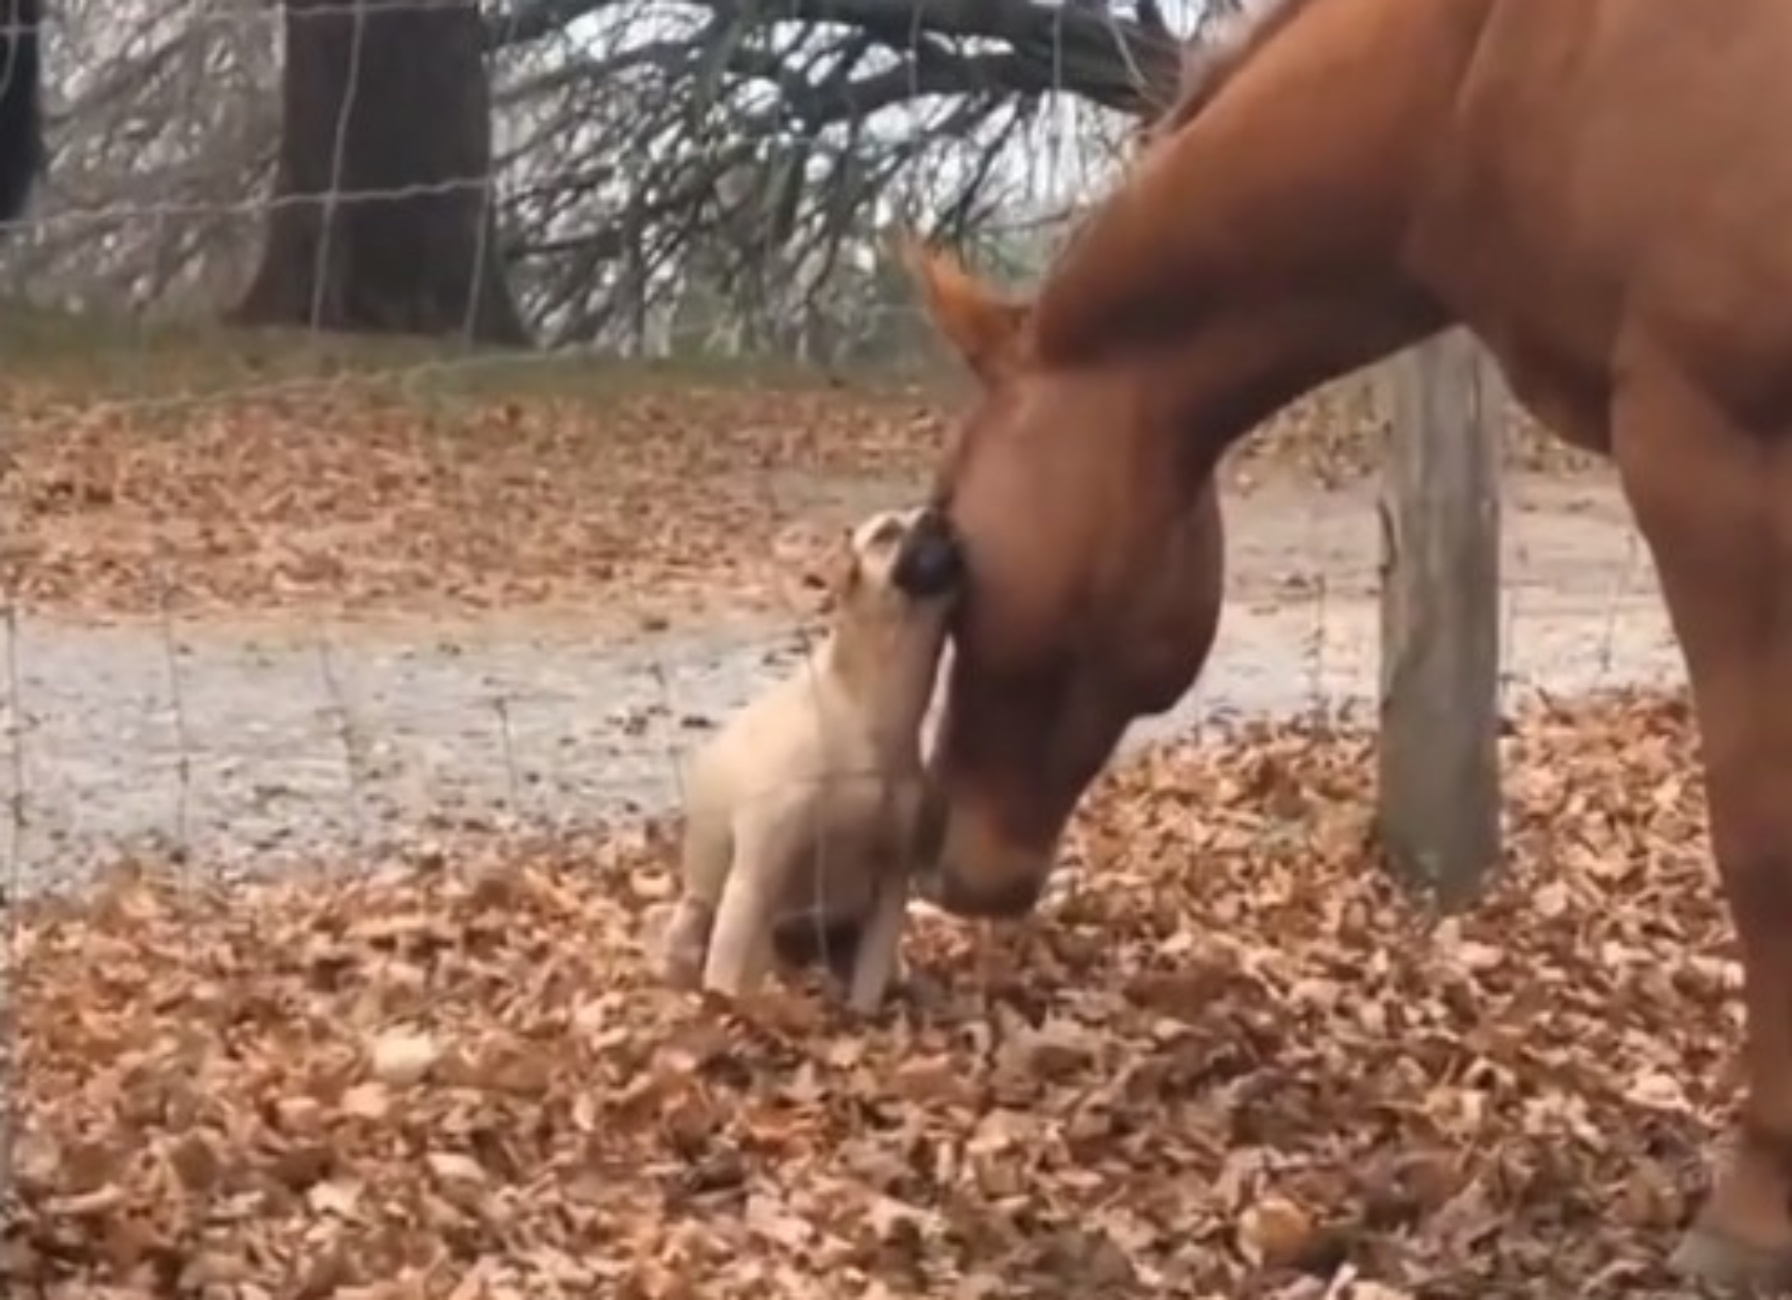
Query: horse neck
point(1259, 251)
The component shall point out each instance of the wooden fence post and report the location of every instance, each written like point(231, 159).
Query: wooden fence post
point(1439, 797)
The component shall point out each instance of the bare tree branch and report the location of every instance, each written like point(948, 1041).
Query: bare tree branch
point(1119, 63)
point(672, 174)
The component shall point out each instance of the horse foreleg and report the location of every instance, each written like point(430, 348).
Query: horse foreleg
point(1714, 502)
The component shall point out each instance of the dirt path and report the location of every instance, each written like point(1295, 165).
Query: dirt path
point(258, 745)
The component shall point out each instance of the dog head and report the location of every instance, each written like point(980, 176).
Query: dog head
point(897, 560)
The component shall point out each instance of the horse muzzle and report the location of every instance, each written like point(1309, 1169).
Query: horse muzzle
point(971, 871)
point(953, 892)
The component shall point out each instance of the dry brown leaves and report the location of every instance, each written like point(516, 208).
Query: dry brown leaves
point(1229, 1061)
point(357, 501)
point(644, 502)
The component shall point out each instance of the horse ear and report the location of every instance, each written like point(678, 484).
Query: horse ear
point(980, 323)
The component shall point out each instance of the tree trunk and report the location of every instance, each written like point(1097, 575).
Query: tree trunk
point(21, 124)
point(382, 220)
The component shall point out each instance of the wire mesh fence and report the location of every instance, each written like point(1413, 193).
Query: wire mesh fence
point(443, 619)
point(313, 655)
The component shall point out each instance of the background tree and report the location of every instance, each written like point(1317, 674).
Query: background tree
point(672, 175)
point(383, 218)
point(766, 147)
point(21, 132)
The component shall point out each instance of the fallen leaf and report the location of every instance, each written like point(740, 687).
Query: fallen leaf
point(400, 1058)
point(1274, 1232)
point(456, 1068)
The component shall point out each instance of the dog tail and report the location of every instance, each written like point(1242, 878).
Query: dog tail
point(21, 112)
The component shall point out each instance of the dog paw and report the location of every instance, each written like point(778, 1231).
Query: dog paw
point(679, 946)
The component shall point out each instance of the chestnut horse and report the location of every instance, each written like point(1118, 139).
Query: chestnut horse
point(1602, 191)
point(21, 126)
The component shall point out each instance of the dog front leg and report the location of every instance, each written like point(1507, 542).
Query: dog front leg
point(705, 856)
point(879, 957)
point(740, 941)
point(684, 941)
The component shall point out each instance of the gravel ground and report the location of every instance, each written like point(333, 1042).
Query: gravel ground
point(255, 745)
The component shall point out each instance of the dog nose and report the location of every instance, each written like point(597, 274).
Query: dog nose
point(931, 561)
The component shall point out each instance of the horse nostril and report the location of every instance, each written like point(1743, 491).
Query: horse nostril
point(1018, 899)
point(1008, 901)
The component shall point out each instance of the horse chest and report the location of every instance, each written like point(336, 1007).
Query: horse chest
point(1571, 400)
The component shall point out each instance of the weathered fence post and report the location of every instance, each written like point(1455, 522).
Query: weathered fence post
point(1439, 796)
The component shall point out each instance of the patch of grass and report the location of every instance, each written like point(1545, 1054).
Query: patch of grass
point(120, 358)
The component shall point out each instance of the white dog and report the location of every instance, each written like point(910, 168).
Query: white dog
point(807, 804)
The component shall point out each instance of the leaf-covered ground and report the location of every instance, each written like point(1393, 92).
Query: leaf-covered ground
point(223, 471)
point(1228, 1060)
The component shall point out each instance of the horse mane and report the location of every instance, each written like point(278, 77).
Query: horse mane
point(1209, 63)
point(1079, 285)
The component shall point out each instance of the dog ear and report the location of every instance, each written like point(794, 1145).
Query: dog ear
point(844, 574)
point(839, 576)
